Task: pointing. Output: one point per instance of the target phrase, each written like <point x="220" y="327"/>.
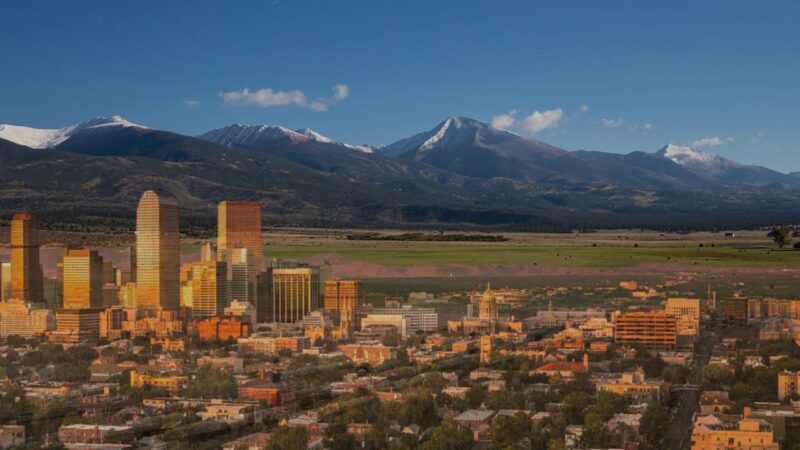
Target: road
<point x="680" y="427"/>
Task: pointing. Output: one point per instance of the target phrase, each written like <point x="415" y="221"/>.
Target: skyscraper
<point x="157" y="252"/>
<point x="239" y="226"/>
<point x="208" y="288"/>
<point x="5" y="281"/>
<point x="343" y="296"/>
<point x="26" y="272"/>
<point x="241" y="275"/>
<point x="83" y="279"/>
<point x="294" y="292"/>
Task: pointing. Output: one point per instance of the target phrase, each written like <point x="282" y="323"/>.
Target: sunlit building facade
<point x="294" y="293"/>
<point x="26" y="271"/>
<point x="157" y="252"/>
<point x="239" y="226"/>
<point x="83" y="279"/>
<point x="208" y="289"/>
<point x="343" y="296"/>
<point x="24" y="319"/>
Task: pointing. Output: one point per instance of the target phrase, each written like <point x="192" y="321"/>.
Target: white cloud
<point x="611" y="123"/>
<point x="267" y="98"/>
<point x="539" y="121"/>
<point x="341" y="92"/>
<point x="264" y="98"/>
<point x="710" y="141"/>
<point x="648" y="126"/>
<point x="504" y="121"/>
<point x="191" y="103"/>
<point x="584" y="108"/>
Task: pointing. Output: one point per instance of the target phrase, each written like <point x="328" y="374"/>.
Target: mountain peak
<point x="238" y="135"/>
<point x="696" y="160"/>
<point x="50" y="137"/>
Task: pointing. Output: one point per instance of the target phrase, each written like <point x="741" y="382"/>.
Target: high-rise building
<point x="157" y="252"/>
<point x="52" y="293"/>
<point x="294" y="293"/>
<point x="343" y="296"/>
<point x="687" y="312"/>
<point x="84" y="277"/>
<point x="24" y="319"/>
<point x="239" y="226"/>
<point x="74" y="326"/>
<point x="26" y="271"/>
<point x="655" y="330"/>
<point x="132" y="263"/>
<point x="240" y="274"/>
<point x="5" y="281"/>
<point x="108" y="272"/>
<point x="208" y="280"/>
<point x="208" y="252"/>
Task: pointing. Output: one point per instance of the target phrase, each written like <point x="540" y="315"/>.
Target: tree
<point x="781" y="235"/>
<point x="288" y="438"/>
<point x="504" y="400"/>
<point x="507" y="430"/>
<point x="653" y="424"/>
<point x="447" y="436"/>
<point x="475" y="396"/>
<point x="211" y="382"/>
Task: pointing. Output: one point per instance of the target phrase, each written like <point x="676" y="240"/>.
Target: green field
<point x="545" y="256"/>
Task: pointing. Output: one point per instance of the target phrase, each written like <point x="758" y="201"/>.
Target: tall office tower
<point x="208" y="252"/>
<point x="132" y="262"/>
<point x="263" y="293"/>
<point x="5" y="281"/>
<point x="208" y="290"/>
<point x="343" y="296"/>
<point x="239" y="226"/>
<point x="157" y="253"/>
<point x="108" y="272"/>
<point x="52" y="293"/>
<point x="84" y="277"/>
<point x="26" y="272"/>
<point x="295" y="293"/>
<point x="241" y="275"/>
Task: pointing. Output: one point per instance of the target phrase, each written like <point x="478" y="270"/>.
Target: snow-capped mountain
<point x="238" y="135"/>
<point x="698" y="161"/>
<point x="50" y="138"/>
<point x="474" y="148"/>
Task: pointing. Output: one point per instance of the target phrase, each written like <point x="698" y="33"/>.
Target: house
<point x="12" y="435"/>
<point x="231" y="412"/>
<point x="255" y="441"/>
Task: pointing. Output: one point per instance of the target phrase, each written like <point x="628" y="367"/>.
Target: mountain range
<point x="462" y="173"/>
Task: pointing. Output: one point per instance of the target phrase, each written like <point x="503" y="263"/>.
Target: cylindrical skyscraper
<point x="157" y="252"/>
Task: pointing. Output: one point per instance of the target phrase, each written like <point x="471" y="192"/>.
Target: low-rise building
<point x="633" y="385"/>
<point x="711" y="433"/>
<point x="96" y="434"/>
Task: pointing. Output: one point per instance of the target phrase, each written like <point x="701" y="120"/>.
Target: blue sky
<point x="614" y="76"/>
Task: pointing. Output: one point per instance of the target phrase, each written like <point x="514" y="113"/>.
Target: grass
<point x="546" y="256"/>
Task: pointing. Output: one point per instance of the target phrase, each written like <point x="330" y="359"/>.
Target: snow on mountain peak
<point x="237" y="135"/>
<point x="695" y="159"/>
<point x="48" y="138"/>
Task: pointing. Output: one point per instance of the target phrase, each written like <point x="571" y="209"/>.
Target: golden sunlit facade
<point x="83" y="279"/>
<point x="295" y="293"/>
<point x="239" y="226"/>
<point x="26" y="272"/>
<point x="157" y="252"/>
<point x="343" y="296"/>
<point x="208" y="288"/>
